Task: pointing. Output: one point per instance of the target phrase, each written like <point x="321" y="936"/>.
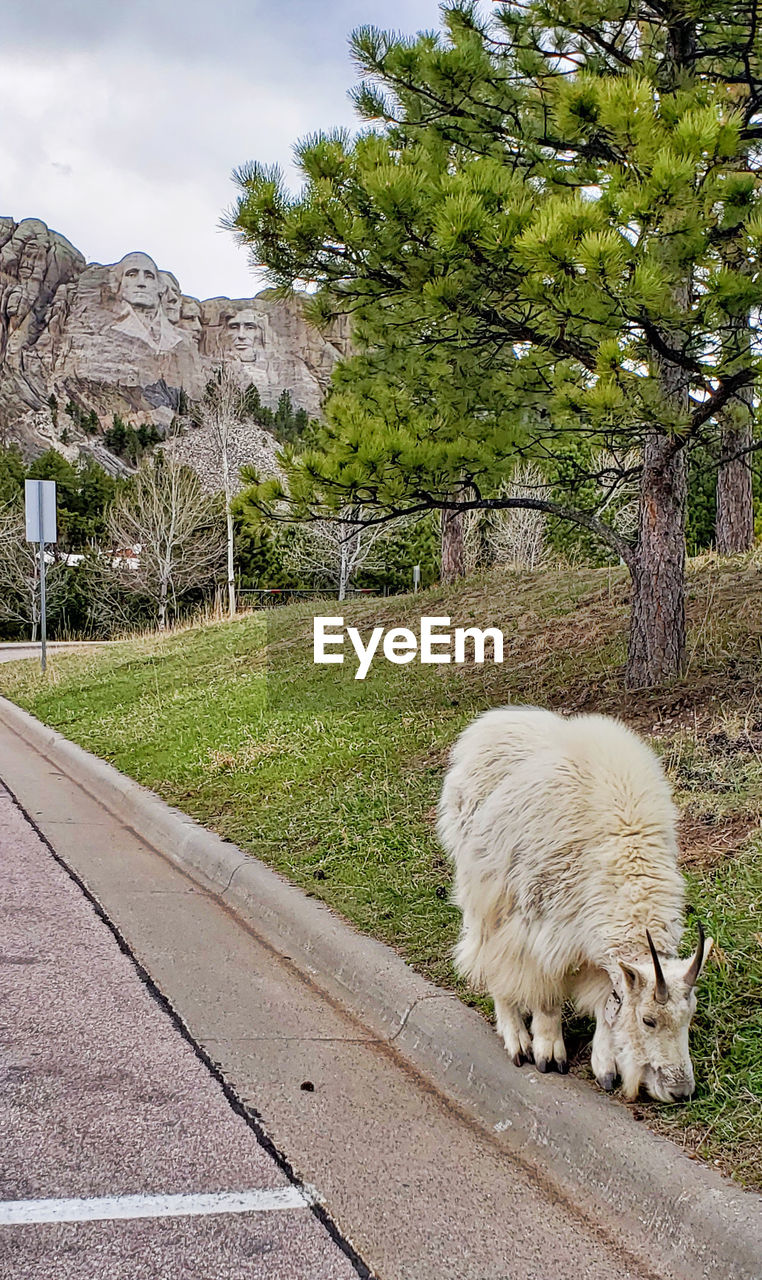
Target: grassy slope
<point x="334" y="781"/>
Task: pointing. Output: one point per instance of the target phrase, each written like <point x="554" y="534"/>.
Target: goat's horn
<point x="694" y="968"/>
<point x="661" y="994"/>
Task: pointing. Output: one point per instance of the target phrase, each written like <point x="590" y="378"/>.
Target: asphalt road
<point x="104" y="1097"/>
<point x="122" y="1156"/>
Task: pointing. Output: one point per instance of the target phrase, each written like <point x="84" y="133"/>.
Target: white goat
<point x="562" y="832"/>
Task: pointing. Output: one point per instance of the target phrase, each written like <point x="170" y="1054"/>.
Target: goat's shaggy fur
<point x="562" y="832"/>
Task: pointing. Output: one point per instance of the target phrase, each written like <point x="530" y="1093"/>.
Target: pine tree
<point x="539" y="214"/>
<point x="115" y="438"/>
<point x="717" y="43"/>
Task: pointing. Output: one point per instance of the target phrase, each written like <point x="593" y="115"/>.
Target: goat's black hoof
<point x="542" y="1065"/>
<point x="562" y="1067"/>
<point x="607" y="1082"/>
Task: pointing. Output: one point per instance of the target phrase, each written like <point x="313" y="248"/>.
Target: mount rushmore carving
<point x="124" y="339"/>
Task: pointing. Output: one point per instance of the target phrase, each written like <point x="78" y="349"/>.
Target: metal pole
<point x="43" y="637"/>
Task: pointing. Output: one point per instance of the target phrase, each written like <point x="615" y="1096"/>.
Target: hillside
<point x="81" y="343"/>
<point x="334" y="780"/>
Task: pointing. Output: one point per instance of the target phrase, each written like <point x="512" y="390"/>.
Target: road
<point x="18" y="650"/>
<point x="120" y="1144"/>
<point x="116" y="1051"/>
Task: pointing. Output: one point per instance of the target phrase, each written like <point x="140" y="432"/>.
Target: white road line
<point x="18" y="1212"/>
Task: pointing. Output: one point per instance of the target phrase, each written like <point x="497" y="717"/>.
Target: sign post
<point x="416" y="577"/>
<point x="40" y="498"/>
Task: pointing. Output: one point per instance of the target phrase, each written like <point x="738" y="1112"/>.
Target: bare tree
<point x="474" y="541"/>
<point x="734" y="530"/>
<point x="517" y="535"/>
<point x="734" y="526"/>
<point x="333" y="551"/>
<point x="165" y="533"/>
<point x="617" y="483"/>
<point x="20" y="573"/>
<point x="220" y="412"/>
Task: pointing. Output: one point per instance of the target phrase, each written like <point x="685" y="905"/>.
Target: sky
<point x="122" y="120"/>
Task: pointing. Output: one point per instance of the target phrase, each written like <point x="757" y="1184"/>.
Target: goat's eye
<point x="649" y="1022"/>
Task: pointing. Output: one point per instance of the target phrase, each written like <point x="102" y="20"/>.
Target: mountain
<point x="81" y="342"/>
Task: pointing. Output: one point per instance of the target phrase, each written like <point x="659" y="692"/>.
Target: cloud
<point x="122" y="123"/>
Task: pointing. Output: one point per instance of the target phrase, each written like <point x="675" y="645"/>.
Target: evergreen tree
<point x="97" y="490"/>
<point x="51" y="465"/>
<point x="538" y="215"/>
<point x="115" y="438"/>
<point x="12" y="475"/>
<point x="719" y="43"/>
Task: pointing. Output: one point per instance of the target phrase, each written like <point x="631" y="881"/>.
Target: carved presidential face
<point x="171" y="297"/>
<point x="190" y="318"/>
<point x="244" y="334"/>
<point x="139" y="283"/>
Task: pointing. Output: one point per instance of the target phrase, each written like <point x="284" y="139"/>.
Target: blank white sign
<point x="32" y="490"/>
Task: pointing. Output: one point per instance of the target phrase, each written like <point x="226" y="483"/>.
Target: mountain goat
<point x="562" y="832"/>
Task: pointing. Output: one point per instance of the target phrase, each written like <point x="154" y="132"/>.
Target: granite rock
<point x="124" y="339"/>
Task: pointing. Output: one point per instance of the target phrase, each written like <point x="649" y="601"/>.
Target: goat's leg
<point x="548" y="1039"/>
<point x="603" y="1057"/>
<point x="513" y="1029"/>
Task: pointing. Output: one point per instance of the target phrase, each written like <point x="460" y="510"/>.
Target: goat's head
<point x="650" y="1014"/>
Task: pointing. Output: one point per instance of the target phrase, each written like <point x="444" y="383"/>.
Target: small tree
<point x="20" y="575"/>
<point x="166" y="534"/>
<point x="333" y="552"/>
<point x="221" y="411"/>
<point x="474" y="538"/>
<point x="517" y="534"/>
<point x="12" y="474"/>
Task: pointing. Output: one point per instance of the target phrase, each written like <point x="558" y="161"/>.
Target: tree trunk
<point x="231" y="563"/>
<point x="734" y="527"/>
<point x="657" y="618"/>
<point x="163" y="605"/>
<point x="35" y="598"/>
<point x="453" y="558"/>
<point x="349" y="547"/>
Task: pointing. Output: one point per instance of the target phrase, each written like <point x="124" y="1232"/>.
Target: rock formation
<point x="123" y="339"/>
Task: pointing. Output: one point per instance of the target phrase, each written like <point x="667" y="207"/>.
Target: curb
<point x="583" y="1146"/>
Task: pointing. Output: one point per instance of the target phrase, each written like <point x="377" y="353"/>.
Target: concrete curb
<point x="586" y="1147"/>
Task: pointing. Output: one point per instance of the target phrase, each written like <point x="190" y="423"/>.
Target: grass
<point x="333" y="781"/>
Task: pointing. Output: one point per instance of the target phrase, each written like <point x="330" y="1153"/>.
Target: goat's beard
<point x="636" y="1075"/>
<point x="632" y="1074"/>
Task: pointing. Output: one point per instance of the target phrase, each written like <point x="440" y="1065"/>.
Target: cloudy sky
<point x="123" y="119"/>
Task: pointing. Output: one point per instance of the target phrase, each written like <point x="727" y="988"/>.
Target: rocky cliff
<point x="124" y="339"/>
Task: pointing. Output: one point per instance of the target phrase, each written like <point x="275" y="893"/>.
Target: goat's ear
<point x="633" y="980"/>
